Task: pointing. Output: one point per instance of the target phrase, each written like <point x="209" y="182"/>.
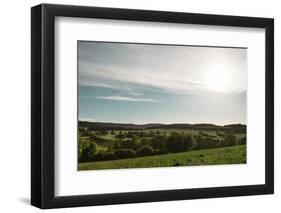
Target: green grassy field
<point x="225" y="155"/>
<point x="168" y="132"/>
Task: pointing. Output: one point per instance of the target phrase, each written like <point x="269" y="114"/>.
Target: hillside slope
<point x="226" y="155"/>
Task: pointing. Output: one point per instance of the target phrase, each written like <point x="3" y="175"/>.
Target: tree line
<point x="156" y="145"/>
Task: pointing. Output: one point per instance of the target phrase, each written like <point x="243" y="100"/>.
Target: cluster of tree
<point x="87" y="150"/>
<point x="118" y="134"/>
<point x="89" y="133"/>
<point x="232" y="129"/>
<point x="136" y="134"/>
<point x="236" y="128"/>
<point x="97" y="126"/>
<point x="159" y="144"/>
<point x="84" y="131"/>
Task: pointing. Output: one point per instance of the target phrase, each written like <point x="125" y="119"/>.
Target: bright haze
<point x="144" y="83"/>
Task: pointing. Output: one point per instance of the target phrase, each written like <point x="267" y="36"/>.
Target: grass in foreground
<point x="225" y="155"/>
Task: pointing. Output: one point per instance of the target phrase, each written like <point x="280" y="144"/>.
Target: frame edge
<point x="269" y="113"/>
<point x="36" y="85"/>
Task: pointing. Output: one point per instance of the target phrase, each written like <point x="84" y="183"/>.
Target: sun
<point x="217" y="79"/>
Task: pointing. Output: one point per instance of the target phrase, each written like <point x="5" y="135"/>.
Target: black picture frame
<point x="43" y="105"/>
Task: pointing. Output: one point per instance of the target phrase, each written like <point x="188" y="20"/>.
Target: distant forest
<point x="96" y="126"/>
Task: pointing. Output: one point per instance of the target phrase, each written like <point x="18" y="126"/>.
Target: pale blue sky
<point x="140" y="83"/>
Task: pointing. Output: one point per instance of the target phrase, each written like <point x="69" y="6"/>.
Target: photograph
<point x="160" y="105"/>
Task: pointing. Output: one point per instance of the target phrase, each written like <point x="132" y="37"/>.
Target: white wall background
<point x="15" y="105"/>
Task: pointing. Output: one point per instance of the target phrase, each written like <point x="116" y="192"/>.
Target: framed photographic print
<point x="139" y="106"/>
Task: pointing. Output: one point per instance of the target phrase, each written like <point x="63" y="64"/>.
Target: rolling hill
<point x="128" y="126"/>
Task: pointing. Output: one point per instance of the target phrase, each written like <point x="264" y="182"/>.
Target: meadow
<point x="104" y="146"/>
<point x="215" y="156"/>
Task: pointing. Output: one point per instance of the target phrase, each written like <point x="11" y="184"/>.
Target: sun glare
<point x="218" y="79"/>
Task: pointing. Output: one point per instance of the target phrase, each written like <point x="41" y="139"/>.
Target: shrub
<point x="159" y="151"/>
<point x="145" y="141"/>
<point x="158" y="142"/>
<point x="241" y="141"/>
<point x="127" y="144"/>
<point x="150" y="133"/>
<point x="98" y="157"/>
<point x="174" y="143"/>
<point x="104" y="132"/>
<point x="141" y="134"/>
<point x="220" y="134"/>
<point x="104" y="156"/>
<point x="207" y="142"/>
<point x="108" y="156"/>
<point x="120" y="136"/>
<point x="180" y="143"/>
<point x="189" y="143"/>
<point x="203" y="133"/>
<point x="199" y="142"/>
<point x="130" y="134"/>
<point x="84" y="131"/>
<point x="87" y="152"/>
<point x="230" y="140"/>
<point x="124" y="153"/>
<point x="211" y="142"/>
<point x="145" y="151"/>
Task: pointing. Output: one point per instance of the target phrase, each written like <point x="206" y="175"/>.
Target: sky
<point x="148" y="83"/>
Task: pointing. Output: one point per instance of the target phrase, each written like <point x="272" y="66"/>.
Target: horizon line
<point x="159" y="123"/>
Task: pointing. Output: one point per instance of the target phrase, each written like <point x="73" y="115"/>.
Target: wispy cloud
<point x="173" y="69"/>
<point x="112" y="85"/>
<point x="87" y="119"/>
<point x="124" y="98"/>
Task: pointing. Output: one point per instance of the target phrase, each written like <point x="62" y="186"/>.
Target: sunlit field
<point x="226" y="155"/>
<point x="144" y="148"/>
